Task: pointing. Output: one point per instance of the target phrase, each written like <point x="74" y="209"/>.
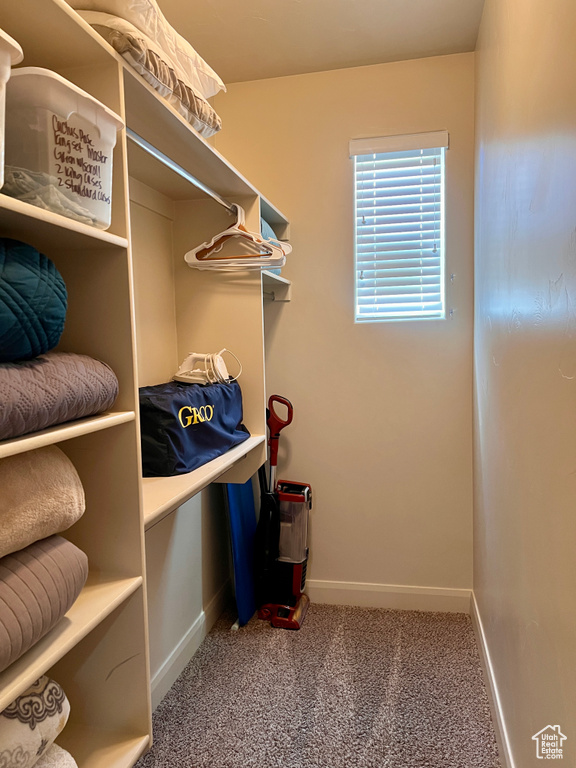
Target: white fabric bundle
<point x="151" y="63"/>
<point x="41" y="495"/>
<point x="31" y="723"/>
<point x="42" y="190"/>
<point x="56" y="757"/>
<point x="146" y="16"/>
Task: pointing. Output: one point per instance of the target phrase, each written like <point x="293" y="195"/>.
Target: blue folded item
<point x="268" y="234"/>
<point x="33" y="302"/>
<point x="186" y="425"/>
<point x="242" y="519"/>
<point x="267" y="231"/>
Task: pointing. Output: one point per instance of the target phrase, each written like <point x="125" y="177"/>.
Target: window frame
<point x="391" y="144"/>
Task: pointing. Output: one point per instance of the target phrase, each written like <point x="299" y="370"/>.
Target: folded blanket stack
<point x="141" y="34"/>
<point x="41" y="574"/>
<point x="29" y="726"/>
<point x="40" y="388"/>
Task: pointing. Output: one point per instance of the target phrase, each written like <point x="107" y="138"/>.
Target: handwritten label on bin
<point x="79" y="165"/>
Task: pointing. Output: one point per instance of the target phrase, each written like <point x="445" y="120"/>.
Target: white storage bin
<point x="10" y="54"/>
<point x="59" y="143"/>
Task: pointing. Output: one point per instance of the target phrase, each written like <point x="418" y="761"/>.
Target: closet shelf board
<point x="164" y="494"/>
<point x="96" y="601"/>
<point x="94" y="749"/>
<point x="152" y="118"/>
<point x="276" y="287"/>
<point x="64" y="432"/>
<point x="273" y="216"/>
<point x="26" y="222"/>
<point x="52" y="35"/>
<point x="272" y="279"/>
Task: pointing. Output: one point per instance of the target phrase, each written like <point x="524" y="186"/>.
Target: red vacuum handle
<point x="277" y="424"/>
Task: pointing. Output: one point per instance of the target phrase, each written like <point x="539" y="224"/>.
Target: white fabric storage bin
<point x="10" y="54"/>
<point x="59" y="143"/>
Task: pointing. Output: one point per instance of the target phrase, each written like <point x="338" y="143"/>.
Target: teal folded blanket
<point x="33" y="302"/>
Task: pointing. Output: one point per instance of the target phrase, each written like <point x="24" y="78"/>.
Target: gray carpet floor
<point x="354" y="688"/>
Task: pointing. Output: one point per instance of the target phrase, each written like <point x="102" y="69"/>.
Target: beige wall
<point x="383" y="425"/>
<point x="187" y="582"/>
<point x="525" y="522"/>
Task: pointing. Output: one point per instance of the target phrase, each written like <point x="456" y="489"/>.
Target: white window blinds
<point x="399" y="232"/>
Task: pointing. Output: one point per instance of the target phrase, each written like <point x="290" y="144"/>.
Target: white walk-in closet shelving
<point x="136" y="305"/>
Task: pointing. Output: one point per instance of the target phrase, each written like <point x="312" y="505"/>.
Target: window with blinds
<point x="399" y="227"/>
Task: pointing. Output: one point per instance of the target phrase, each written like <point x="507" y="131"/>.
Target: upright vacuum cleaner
<point x="281" y="544"/>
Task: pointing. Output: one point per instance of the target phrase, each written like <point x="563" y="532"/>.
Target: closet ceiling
<point x="256" y="39"/>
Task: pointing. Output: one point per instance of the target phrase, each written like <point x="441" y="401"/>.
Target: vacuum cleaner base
<point x="285" y="616"/>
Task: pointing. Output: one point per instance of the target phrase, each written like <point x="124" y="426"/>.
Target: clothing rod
<point x="165" y="160"/>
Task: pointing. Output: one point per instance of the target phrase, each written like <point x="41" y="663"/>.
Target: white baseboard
<point x="493" y="695"/>
<point x="173" y="666"/>
<point x="391" y="596"/>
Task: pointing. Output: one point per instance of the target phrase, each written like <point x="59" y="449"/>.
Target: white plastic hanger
<point x="236" y="248"/>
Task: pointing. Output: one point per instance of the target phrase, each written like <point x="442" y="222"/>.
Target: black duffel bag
<point x="185" y="425"/>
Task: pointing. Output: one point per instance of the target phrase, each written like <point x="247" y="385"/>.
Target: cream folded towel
<point x="41" y="495"/>
<point x="30" y="724"/>
<point x="56" y="757"/>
